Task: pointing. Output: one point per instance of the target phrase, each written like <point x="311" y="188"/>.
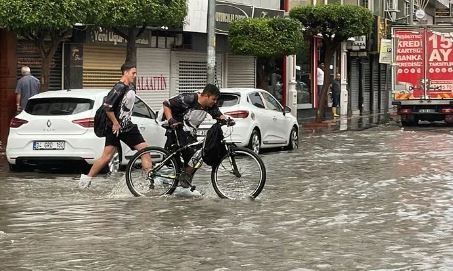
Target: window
<point x="255" y="99"/>
<point x="141" y="110"/>
<point x="58" y="106"/>
<point x="271" y="102"/>
<point x="228" y="100"/>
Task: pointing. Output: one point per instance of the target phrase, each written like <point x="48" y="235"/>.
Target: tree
<point x="266" y="38"/>
<point x="336" y="23"/>
<point x="45" y="22"/>
<point x="130" y="18"/>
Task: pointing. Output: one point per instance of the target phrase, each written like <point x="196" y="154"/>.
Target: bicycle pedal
<point x="192" y="188"/>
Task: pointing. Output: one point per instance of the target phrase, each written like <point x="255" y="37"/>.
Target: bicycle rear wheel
<point x="159" y="181"/>
<point x="239" y="175"/>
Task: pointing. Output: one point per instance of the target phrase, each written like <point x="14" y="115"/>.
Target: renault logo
<point x="49" y="123"/>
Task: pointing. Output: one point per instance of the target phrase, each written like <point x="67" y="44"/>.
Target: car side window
<point x="271" y="102"/>
<point x="141" y="110"/>
<point x="256" y="100"/>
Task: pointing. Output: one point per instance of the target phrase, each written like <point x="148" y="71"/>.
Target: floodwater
<point x="377" y="199"/>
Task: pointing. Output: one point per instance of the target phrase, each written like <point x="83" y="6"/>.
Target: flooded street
<point x="377" y="199"/>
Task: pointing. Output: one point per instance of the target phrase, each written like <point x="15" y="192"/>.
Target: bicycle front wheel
<point x="240" y="174"/>
<point x="159" y="181"/>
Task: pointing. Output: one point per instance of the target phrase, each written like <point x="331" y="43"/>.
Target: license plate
<point x="48" y="145"/>
<point x="426" y="110"/>
<point x="202" y="132"/>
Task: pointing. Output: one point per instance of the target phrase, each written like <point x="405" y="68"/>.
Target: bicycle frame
<point x="228" y="146"/>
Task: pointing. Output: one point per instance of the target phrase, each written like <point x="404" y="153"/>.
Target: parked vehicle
<point x="57" y="127"/>
<point x="423" y="81"/>
<point x="261" y="121"/>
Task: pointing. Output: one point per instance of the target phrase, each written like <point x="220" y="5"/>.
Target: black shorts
<point x="131" y="138"/>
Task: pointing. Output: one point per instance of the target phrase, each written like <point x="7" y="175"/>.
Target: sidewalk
<point x="346" y="123"/>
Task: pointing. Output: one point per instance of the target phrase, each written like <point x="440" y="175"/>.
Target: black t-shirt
<point x="120" y="100"/>
<point x="185" y="108"/>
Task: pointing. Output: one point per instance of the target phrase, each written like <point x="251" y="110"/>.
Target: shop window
<point x="303" y="78"/>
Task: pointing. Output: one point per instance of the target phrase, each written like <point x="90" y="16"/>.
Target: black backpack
<point x="213" y="149"/>
<point x="101" y="122"/>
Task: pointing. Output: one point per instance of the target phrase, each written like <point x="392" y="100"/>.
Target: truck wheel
<point x="409" y="122"/>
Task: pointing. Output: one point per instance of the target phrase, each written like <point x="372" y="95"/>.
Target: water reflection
<point x="378" y="199"/>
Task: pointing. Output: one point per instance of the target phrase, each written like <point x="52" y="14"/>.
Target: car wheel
<point x="293" y="139"/>
<point x="255" y="140"/>
<point x="18" y="168"/>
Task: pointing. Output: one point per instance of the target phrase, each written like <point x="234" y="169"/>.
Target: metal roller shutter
<point x="354" y="91"/>
<point x="375" y="86"/>
<point x="241" y="71"/>
<point x="189" y="72"/>
<point x="153" y="75"/>
<point x="384" y="87"/>
<point x="29" y="55"/>
<point x="101" y="65"/>
<point x="365" y="85"/>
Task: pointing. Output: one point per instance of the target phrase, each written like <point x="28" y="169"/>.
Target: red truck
<point x="423" y="73"/>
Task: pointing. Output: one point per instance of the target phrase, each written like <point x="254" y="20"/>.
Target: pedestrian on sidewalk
<point x="336" y="90"/>
<point x="320" y="80"/>
<point x="27" y="86"/>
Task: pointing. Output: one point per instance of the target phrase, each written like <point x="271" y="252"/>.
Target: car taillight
<point x="16" y="122"/>
<point x="446" y="110"/>
<point x="86" y="122"/>
<point x="405" y="111"/>
<point x="240" y="114"/>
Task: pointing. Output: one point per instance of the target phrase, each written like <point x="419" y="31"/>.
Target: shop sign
<point x="226" y="12"/>
<point x="267" y="13"/>
<point x="385" y="51"/>
<point x="359" y="43"/>
<point x="152" y="83"/>
<point x="107" y="36"/>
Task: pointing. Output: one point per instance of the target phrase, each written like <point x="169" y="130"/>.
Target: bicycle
<point x="241" y="172"/>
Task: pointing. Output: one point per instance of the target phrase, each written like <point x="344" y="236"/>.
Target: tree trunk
<point x="45" y="74"/>
<point x="330" y="49"/>
<point x="131" y="54"/>
<point x="47" y="53"/>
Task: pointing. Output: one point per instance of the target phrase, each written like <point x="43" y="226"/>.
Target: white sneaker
<point x="84" y="181"/>
<point x="185" y="192"/>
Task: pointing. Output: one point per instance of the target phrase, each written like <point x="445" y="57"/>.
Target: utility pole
<point x="411" y="12"/>
<point x="211" y="42"/>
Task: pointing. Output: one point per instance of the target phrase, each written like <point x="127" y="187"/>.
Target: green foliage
<point x="24" y="17"/>
<point x="117" y="13"/>
<point x="335" y="22"/>
<point x="264" y="37"/>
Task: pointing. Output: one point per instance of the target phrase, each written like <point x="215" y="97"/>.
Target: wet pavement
<point x="357" y="199"/>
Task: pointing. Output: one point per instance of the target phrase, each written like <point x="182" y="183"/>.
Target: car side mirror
<point x="286" y="110"/>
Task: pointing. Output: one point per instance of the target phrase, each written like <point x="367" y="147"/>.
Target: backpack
<point x="101" y="122"/>
<point x="213" y="148"/>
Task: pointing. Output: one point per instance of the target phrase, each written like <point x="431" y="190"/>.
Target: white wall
<point x="271" y="4"/>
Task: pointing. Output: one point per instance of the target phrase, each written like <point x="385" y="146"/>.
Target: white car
<point x="57" y="127"/>
<point x="261" y="121"/>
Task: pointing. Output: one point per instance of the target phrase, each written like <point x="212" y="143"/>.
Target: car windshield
<point x="58" y="106"/>
<point x="228" y="100"/>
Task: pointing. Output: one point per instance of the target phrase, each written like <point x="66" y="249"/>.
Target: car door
<point x="145" y="119"/>
<point x="263" y="117"/>
<point x="278" y="130"/>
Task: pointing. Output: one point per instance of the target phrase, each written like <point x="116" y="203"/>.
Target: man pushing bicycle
<point x="184" y="113"/>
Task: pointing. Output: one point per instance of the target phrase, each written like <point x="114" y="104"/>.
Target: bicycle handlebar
<point x="228" y="122"/>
